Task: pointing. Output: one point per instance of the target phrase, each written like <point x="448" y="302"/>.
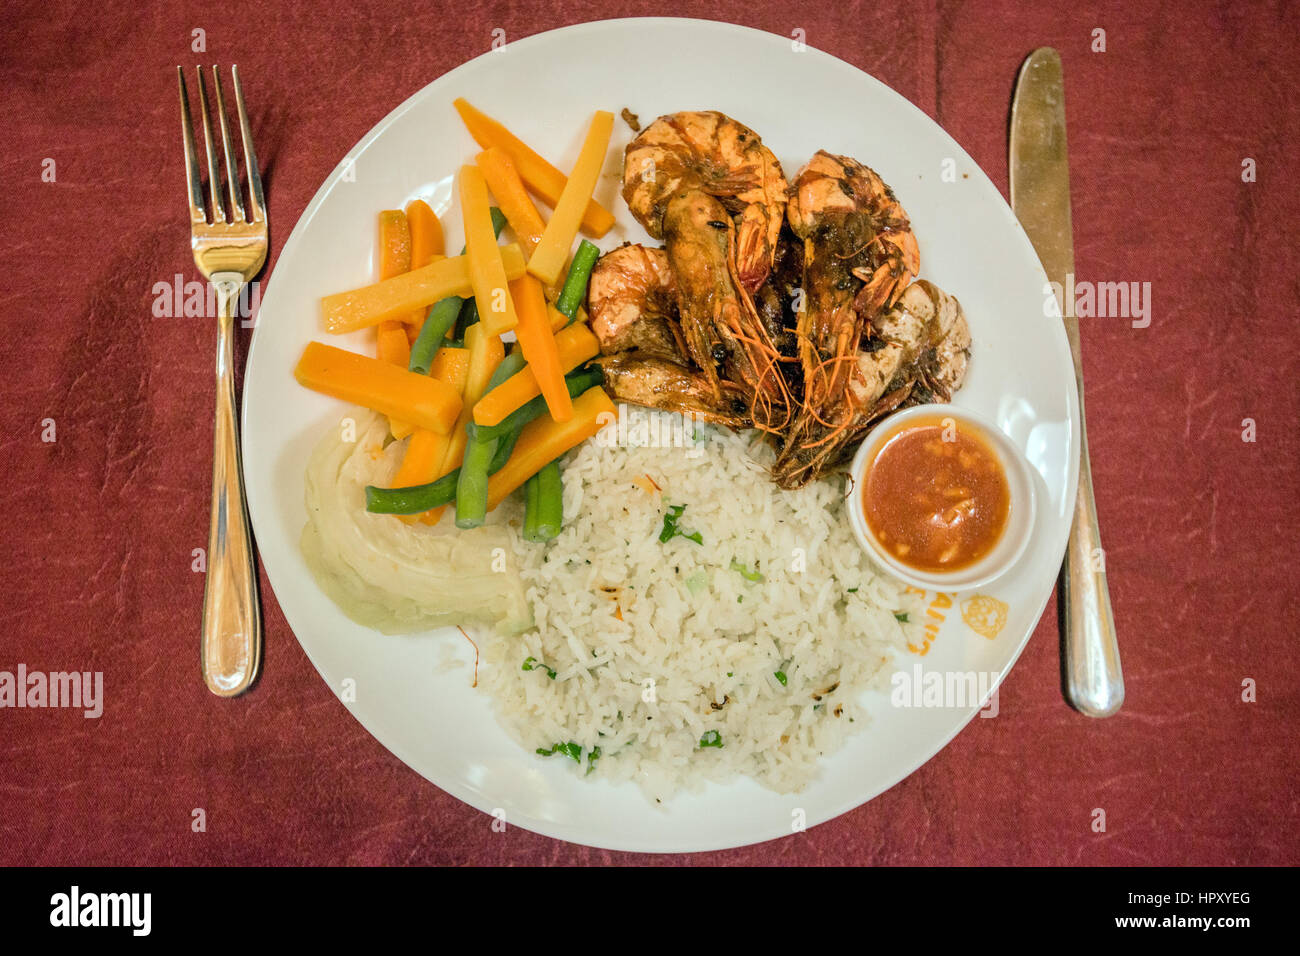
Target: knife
<point x="1040" y="198"/>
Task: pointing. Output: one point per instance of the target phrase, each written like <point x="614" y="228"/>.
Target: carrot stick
<point x="449" y="365"/>
<point x="544" y="440"/>
<point x="426" y="246"/>
<point x="539" y="175"/>
<point x="394" y="259"/>
<point x="426" y="233"/>
<point x="419" y="399"/>
<point x="392" y="345"/>
<point x="557" y="318"/>
<point x="547" y="260"/>
<point x="393" y="298"/>
<point x="539" y="347"/>
<point x="423" y="455"/>
<point x="485" y="354"/>
<point x="394" y="243"/>
<point x="420" y="463"/>
<point x="574" y="346"/>
<point x="511" y="196"/>
<point x="486" y="270"/>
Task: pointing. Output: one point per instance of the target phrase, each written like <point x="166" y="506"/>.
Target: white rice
<point x="696" y="652"/>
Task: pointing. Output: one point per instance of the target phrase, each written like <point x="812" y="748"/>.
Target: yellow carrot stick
<point x="557" y="318"/>
<point x="395" y="297"/>
<point x="511" y="196"/>
<point x="487" y="272"/>
<point x="394" y="243"/>
<point x="419" y="399"/>
<point x="547" y="260"/>
<point x="485" y="354"/>
<point x="573" y="345"/>
<point x="543" y="440"/>
<point x="539" y="175"/>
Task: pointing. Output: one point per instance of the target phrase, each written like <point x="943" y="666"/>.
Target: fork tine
<point x="193" y="175"/>
<point x="214" y="181"/>
<point x="256" y="203"/>
<point x="232" y="171"/>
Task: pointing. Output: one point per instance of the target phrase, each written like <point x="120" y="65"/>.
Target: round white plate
<point x="545" y="89"/>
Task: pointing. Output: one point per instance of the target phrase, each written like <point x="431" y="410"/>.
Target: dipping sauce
<point x="935" y="495"/>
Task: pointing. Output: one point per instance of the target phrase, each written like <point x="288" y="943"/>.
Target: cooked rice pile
<point x="665" y="654"/>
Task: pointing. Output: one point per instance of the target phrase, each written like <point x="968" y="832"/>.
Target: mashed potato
<point x="395" y="576"/>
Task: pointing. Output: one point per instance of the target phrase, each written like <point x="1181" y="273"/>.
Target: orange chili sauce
<point x="935" y="495"/>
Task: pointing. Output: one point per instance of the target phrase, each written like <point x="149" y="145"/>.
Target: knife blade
<point x="1040" y="198"/>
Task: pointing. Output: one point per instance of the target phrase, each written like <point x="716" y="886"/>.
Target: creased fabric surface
<point x="99" y="525"/>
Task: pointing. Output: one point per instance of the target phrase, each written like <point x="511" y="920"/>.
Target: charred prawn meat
<point x="784" y="306"/>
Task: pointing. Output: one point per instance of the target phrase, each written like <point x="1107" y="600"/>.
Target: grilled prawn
<point x="917" y="353"/>
<point x="709" y="188"/>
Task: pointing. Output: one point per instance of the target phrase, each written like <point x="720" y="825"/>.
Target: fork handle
<point x="231" y="647"/>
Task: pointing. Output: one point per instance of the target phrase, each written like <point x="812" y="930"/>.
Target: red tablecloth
<point x="99" y="525"/>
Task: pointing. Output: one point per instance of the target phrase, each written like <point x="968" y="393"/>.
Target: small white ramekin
<point x="1020" y="521"/>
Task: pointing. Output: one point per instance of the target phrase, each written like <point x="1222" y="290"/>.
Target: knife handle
<point x="1094" y="682"/>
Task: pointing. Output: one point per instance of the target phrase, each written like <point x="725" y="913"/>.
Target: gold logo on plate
<point x="985" y="615"/>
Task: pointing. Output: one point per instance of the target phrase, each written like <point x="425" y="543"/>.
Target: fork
<point x="228" y="253"/>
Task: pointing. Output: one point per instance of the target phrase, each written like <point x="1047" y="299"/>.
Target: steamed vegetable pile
<point x="481" y="419"/>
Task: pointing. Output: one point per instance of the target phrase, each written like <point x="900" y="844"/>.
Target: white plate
<point x="545" y="89"/>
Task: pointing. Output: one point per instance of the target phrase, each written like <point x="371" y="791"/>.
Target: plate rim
<point x="1057" y="333"/>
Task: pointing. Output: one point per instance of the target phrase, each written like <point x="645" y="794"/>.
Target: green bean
<point x="467" y="316"/>
<point x="512" y="364"/>
<point x="433" y="333"/>
<point x="414" y="500"/>
<point x="443" y="315"/>
<point x="531" y="511"/>
<point x="544" y="504"/>
<point x="472" y="487"/>
<point x="578" y="381"/>
<point x="420" y="498"/>
<point x="505" y="446"/>
<point x="575" y="284"/>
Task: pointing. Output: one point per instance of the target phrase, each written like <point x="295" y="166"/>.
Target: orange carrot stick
<point x="574" y="344"/>
<point x="450" y="366"/>
<point x="537" y="341"/>
<point x="394" y="259"/>
<point x="423" y="401"/>
<point x="426" y="450"/>
<point x="540" y="176"/>
<point x="426" y="233"/>
<point x="512" y="198"/>
<point x="426" y="246"/>
<point x="544" y="440"/>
